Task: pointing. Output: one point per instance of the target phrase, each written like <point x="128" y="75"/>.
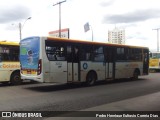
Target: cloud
<point x="131" y="17"/>
<point x="11" y="14"/>
<point x="137" y="35"/>
<point x="107" y="3"/>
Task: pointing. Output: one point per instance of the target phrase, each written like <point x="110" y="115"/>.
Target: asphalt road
<point x="61" y="97"/>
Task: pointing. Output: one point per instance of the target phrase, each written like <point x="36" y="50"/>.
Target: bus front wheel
<point x="15" y="78"/>
<point x="91" y="78"/>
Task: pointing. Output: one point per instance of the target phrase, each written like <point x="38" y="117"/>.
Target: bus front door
<point x="73" y="63"/>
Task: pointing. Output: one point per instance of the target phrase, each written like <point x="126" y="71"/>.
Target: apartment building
<point x="116" y="36"/>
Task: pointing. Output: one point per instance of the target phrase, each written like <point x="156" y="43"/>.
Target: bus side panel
<point x="126" y="69"/>
<point x="99" y="68"/>
<point x="122" y="70"/>
<point x="6" y="69"/>
<point x="46" y="72"/>
<point x="4" y="75"/>
<point x="58" y="71"/>
<point x="86" y="66"/>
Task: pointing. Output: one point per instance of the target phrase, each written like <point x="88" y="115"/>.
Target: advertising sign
<point x="86" y="27"/>
<point x="64" y="33"/>
<point x="29" y="55"/>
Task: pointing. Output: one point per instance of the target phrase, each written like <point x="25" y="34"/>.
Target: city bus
<point x="9" y="63"/>
<point x="154" y="61"/>
<point x="49" y="60"/>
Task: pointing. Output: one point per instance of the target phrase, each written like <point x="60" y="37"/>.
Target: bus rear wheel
<point x="15" y="78"/>
<point x="91" y="78"/>
<point x="135" y="75"/>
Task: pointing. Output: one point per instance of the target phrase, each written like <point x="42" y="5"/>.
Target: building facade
<point x="116" y="36"/>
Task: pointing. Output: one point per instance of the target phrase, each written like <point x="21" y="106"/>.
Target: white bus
<point x="9" y="63"/>
<point x="48" y="59"/>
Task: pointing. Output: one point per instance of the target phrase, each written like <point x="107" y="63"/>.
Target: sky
<point x="137" y="17"/>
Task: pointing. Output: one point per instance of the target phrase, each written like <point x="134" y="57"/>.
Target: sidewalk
<point x="149" y="102"/>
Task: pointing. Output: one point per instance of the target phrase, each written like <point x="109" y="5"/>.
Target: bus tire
<point x="15" y="78"/>
<point x="135" y="75"/>
<point x="91" y="78"/>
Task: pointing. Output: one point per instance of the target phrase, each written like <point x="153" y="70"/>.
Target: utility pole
<point x="20" y="31"/>
<point x="157" y="38"/>
<point x="21" y="27"/>
<point x="59" y="3"/>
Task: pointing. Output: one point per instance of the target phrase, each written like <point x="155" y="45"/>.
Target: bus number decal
<point x="59" y="63"/>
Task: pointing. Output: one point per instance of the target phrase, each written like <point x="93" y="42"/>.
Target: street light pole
<point x="21" y="27"/>
<point x="20" y="31"/>
<point x="59" y="3"/>
<point x="157" y="29"/>
<point x="92" y="32"/>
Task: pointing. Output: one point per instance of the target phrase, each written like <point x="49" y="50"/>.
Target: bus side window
<point x="109" y="53"/>
<point x="120" y="54"/>
<point x="52" y="57"/>
<point x="55" y="51"/>
<point x="98" y="54"/>
<point x="76" y="54"/>
<point x="69" y="53"/>
<point x="5" y="57"/>
<point x="86" y="51"/>
<point x="60" y="53"/>
<point x="72" y="53"/>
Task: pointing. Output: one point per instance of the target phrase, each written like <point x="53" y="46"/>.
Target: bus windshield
<point x="155" y="55"/>
<point x="29" y="53"/>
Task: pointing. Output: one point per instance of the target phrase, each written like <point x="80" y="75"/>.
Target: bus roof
<point x="9" y="43"/>
<point x="155" y="52"/>
<point x="90" y="42"/>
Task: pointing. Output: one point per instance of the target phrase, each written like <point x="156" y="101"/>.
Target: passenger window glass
<point x="55" y="51"/>
<point x="86" y="53"/>
<point x="98" y="54"/>
<point x="120" y="54"/>
<point x="9" y="53"/>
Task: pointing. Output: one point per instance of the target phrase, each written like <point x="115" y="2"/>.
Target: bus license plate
<point x="29" y="72"/>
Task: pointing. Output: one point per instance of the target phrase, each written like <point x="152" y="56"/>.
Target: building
<point x="116" y="36"/>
